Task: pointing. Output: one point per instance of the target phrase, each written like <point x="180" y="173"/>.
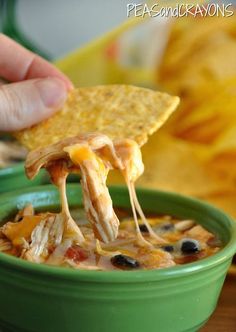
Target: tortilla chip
<point x="224" y="165"/>
<point x="207" y="112"/>
<point x="224" y="200"/>
<point x="227" y="141"/>
<point x="119" y="111"/>
<point x="197" y="34"/>
<point x="199" y="65"/>
<point x="199" y="50"/>
<point x="214" y="62"/>
<point x="222" y="155"/>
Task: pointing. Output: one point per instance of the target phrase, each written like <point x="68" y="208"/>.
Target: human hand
<point x="39" y="88"/>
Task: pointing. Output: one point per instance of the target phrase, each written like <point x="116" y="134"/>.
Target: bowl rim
<point x="22" y="266"/>
<point x="12" y="169"/>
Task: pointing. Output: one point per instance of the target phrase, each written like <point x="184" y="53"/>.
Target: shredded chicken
<point x="42" y="238"/>
<point x="45" y="237"/>
<point x="5" y="245"/>
<point x="58" y="255"/>
<point x="199" y="233"/>
<point x="93" y="156"/>
<point x="97" y="200"/>
<point x="82" y="154"/>
<point x="184" y="225"/>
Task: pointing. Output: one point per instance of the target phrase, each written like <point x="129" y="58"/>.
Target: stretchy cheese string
<point x="140" y="212"/>
<point x="139" y="234"/>
<point x="71" y="225"/>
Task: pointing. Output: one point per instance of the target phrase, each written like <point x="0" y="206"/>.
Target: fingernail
<point x="52" y="91"/>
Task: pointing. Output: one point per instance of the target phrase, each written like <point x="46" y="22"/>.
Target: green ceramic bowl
<point x="41" y="298"/>
<point x="14" y="177"/>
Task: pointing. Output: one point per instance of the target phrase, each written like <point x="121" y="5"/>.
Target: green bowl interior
<point x="47" y="198"/>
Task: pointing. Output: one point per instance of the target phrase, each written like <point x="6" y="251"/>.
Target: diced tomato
<point x="76" y="253"/>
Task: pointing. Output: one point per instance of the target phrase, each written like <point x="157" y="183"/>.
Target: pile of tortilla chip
<point x="195" y="151"/>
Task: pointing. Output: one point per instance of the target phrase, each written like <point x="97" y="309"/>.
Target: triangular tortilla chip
<point x="119" y="111"/>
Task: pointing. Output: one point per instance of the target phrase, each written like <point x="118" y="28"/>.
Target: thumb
<point x="29" y="102"/>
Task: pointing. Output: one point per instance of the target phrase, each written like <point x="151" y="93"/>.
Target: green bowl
<point x="42" y="298"/>
<point x="14" y="177"/>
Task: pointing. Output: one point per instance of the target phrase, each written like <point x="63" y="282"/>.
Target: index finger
<point x="18" y="64"/>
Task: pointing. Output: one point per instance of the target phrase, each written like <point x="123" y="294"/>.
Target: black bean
<point x="167" y="227"/>
<point x="143" y="228"/>
<point x="164" y="227"/>
<point x="124" y="262"/>
<point x="168" y="248"/>
<point x="189" y="246"/>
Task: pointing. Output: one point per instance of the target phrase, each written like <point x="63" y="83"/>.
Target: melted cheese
<point x="79" y="153"/>
<point x="22" y="229"/>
